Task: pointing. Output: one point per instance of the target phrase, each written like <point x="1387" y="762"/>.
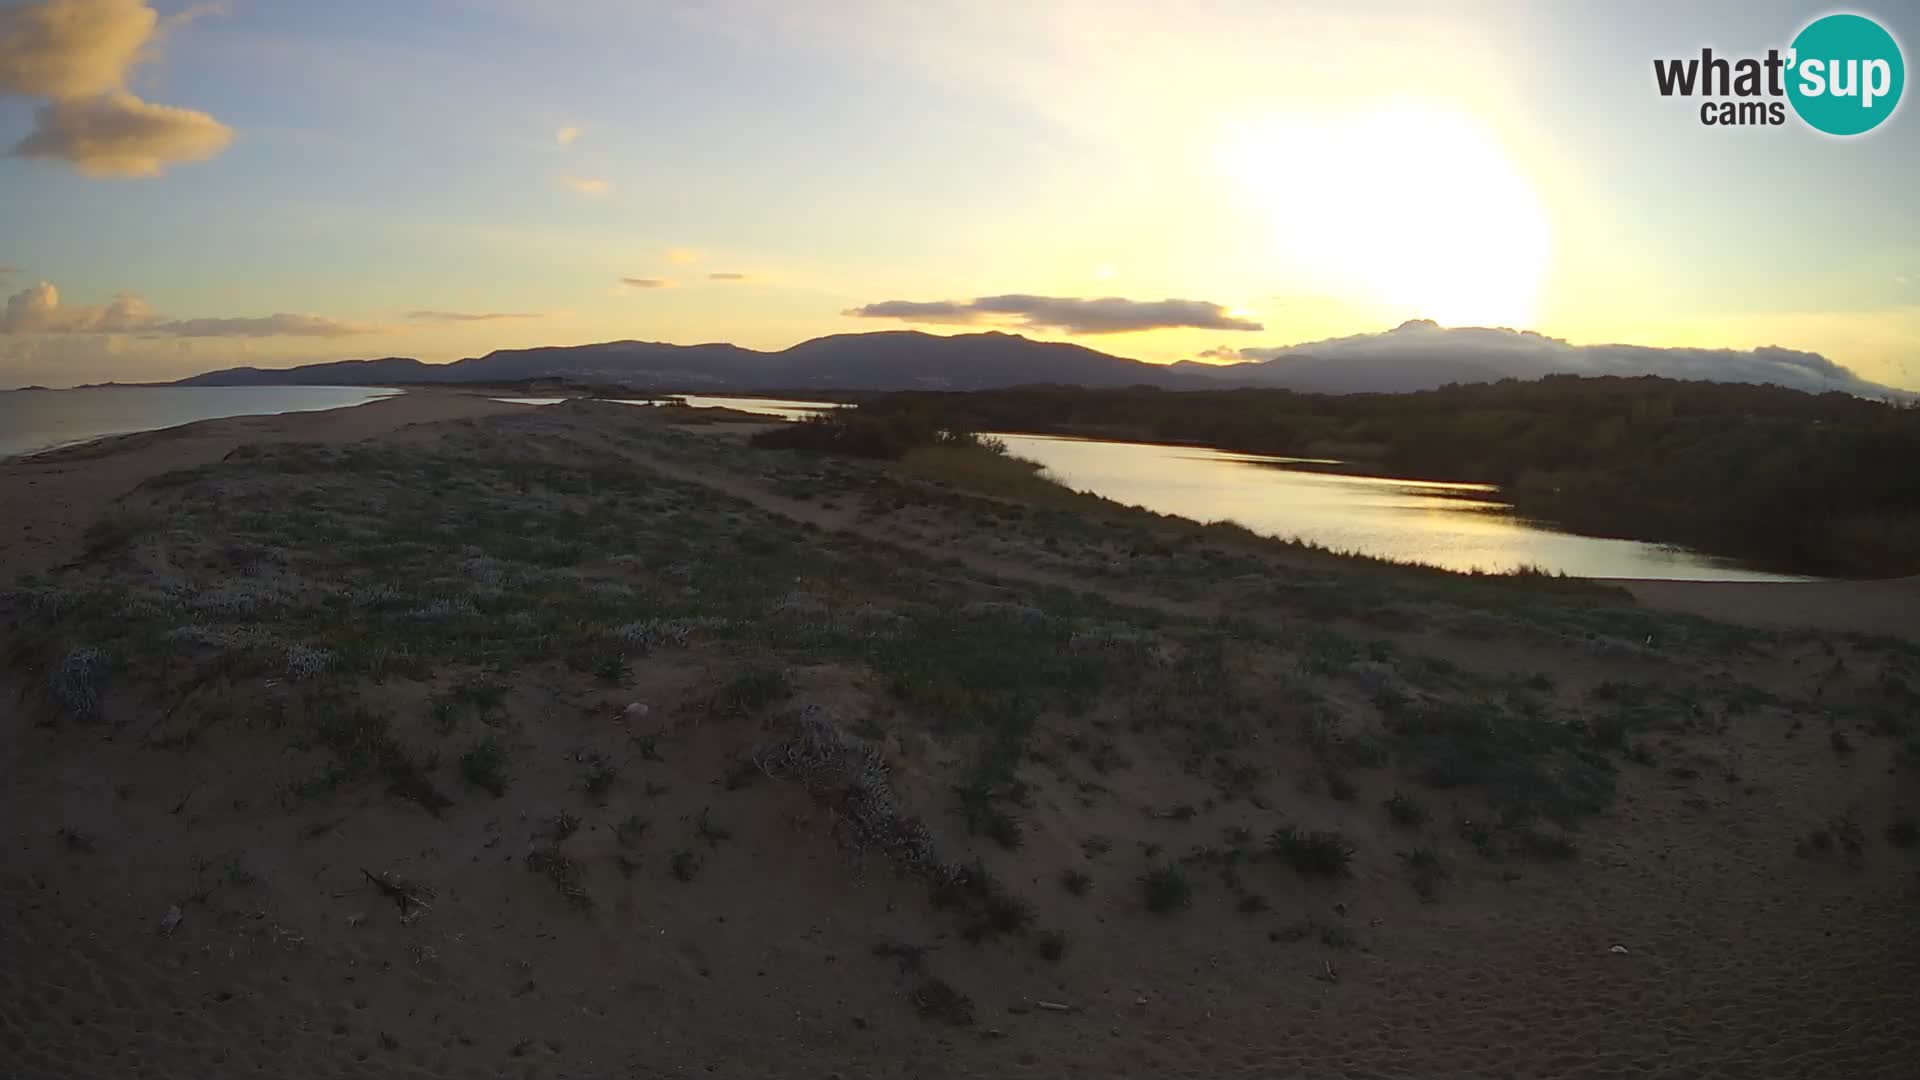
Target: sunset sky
<point x="269" y="181"/>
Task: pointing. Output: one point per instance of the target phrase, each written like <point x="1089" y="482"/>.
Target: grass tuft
<point x="1166" y="890"/>
<point x="484" y="765"/>
<point x="1313" y="853"/>
<point x="1405" y="812"/>
<point x="558" y="867"/>
<point x="936" y="999"/>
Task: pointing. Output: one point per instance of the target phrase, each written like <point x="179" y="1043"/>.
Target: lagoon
<point x="1454" y="526"/>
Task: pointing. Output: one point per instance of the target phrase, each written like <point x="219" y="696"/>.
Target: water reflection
<point x="1453" y="526"/>
<point x="780" y="407"/>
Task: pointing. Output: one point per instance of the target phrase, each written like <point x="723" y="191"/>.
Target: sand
<point x="1746" y="954"/>
<point x="1864" y="607"/>
<point x="49" y="499"/>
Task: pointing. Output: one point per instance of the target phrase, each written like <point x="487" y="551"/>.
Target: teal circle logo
<point x="1845" y="74"/>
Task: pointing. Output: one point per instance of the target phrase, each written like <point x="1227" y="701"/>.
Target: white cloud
<point x="647" y="282"/>
<point x="38" y="310"/>
<point x="77" y="55"/>
<point x="566" y="136"/>
<point x="587" y="185"/>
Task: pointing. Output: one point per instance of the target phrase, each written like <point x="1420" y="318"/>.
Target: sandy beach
<point x="441" y="737"/>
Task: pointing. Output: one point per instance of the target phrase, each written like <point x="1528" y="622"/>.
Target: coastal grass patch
<point x="1312" y="853"/>
<point x="566" y="874"/>
<point x="1165" y="890"/>
<point x="937" y="999"/>
<point x="484" y="764"/>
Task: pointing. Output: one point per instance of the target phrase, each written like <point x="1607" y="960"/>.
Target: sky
<point x="269" y="182"/>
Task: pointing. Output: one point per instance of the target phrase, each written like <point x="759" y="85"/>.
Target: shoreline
<point x="379" y="393"/>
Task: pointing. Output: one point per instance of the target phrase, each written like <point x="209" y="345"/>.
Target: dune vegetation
<point x="487" y="744"/>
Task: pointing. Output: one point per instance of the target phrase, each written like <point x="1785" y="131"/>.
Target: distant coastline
<point x="42" y="420"/>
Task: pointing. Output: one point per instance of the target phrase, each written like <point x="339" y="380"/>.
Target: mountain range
<point x="1417" y="355"/>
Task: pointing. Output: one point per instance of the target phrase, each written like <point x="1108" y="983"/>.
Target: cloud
<point x="38" y="311"/>
<point x="566" y="135"/>
<point x="277" y="325"/>
<point x="462" y="316"/>
<point x="72" y="48"/>
<point x="1073" y="315"/>
<point x="117" y="134"/>
<point x="726" y="275"/>
<point x="9" y="271"/>
<point x="929" y="311"/>
<point x="683" y="255"/>
<point x="77" y="56"/>
<point x="587" y="185"/>
<point x="647" y="282"/>
<point x="1421" y="355"/>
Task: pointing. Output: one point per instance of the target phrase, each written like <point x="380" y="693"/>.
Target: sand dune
<point x="246" y="724"/>
<point x="49" y="499"/>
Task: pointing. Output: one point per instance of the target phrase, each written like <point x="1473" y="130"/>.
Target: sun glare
<point x="1416" y="208"/>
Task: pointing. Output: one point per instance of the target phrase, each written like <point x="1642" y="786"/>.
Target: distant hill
<point x="1420" y="355"/>
<point x="891" y="360"/>
<point x="1415" y="356"/>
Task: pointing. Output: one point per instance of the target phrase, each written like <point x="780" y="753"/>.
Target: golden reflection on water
<point x="1449" y="525"/>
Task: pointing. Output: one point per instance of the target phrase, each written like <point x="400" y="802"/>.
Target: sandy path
<point x="49" y="500"/>
<point x="1871" y="607"/>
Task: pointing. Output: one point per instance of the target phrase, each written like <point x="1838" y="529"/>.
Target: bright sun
<point x="1416" y="208"/>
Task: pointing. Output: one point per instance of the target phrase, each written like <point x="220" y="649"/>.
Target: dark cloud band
<point x="1072" y="315"/>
